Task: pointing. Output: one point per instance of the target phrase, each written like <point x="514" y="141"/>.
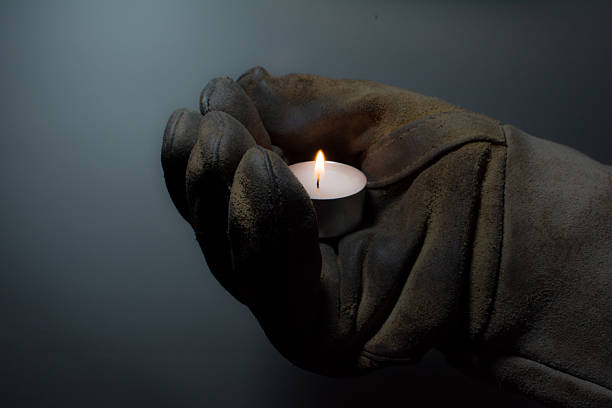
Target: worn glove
<point x="489" y="244"/>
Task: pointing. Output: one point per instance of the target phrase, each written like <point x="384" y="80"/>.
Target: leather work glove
<point x="486" y="243"/>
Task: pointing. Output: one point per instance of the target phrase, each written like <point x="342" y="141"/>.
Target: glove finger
<point x="179" y="137"/>
<point x="223" y="94"/>
<point x="275" y="248"/>
<point x="304" y="113"/>
<point x="220" y="145"/>
<point x="273" y="229"/>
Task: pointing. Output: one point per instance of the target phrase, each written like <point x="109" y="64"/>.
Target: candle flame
<point x="319" y="167"/>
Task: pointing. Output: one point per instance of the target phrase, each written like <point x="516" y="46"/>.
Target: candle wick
<point x="318" y="177"/>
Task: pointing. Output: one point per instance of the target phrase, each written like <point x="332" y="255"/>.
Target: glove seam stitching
<point x="381" y="359"/>
<point x="479" y="337"/>
<point x="402" y="174"/>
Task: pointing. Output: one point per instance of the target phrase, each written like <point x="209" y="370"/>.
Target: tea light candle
<point x="337" y="191"/>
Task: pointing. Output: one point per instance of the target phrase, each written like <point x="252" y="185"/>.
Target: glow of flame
<point x="319" y="168"/>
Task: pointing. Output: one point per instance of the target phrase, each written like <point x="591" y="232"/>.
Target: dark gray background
<point x="105" y="299"/>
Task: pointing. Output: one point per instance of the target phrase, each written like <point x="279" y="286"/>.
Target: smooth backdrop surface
<point x="105" y="298"/>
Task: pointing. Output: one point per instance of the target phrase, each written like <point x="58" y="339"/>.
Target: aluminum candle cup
<point x="339" y="197"/>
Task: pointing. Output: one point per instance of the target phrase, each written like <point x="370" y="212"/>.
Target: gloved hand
<point x="484" y="242"/>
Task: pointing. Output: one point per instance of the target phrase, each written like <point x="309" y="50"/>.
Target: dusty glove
<point x="484" y="242"/>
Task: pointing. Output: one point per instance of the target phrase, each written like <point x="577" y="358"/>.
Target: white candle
<point x="339" y="180"/>
<point x="339" y="196"/>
